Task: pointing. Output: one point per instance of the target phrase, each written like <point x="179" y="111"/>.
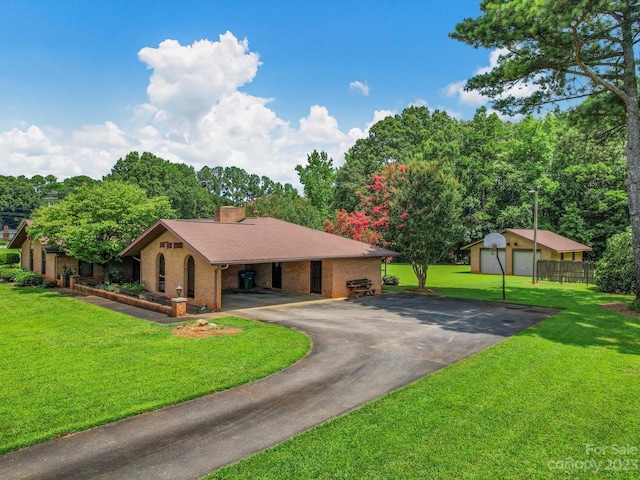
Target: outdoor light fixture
<point x="179" y="290"/>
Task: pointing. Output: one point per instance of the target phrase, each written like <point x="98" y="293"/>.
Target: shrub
<point x="390" y="280"/>
<point x="28" y="279"/>
<point x="635" y="305"/>
<point x="615" y="271"/>
<point x="9" y="258"/>
<point x="116" y="276"/>
<point x="111" y="287"/>
<point x="133" y="287"/>
<point x="8" y="272"/>
<point x="49" y="284"/>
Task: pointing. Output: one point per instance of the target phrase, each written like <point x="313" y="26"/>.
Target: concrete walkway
<point x="362" y="349"/>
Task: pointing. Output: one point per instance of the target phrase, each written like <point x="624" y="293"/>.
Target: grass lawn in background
<point x="558" y="400"/>
<point x="66" y="365"/>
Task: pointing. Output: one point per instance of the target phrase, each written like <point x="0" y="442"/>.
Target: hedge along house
<point x="209" y="256"/>
<point x="517" y="257"/>
<point x="50" y="261"/>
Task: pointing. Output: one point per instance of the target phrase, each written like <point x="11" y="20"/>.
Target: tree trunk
<point x="632" y="149"/>
<point x="420" y="270"/>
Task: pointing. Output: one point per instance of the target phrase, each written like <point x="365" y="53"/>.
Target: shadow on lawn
<point x="41" y="292"/>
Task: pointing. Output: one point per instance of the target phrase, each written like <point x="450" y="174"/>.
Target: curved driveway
<point x="362" y="350"/>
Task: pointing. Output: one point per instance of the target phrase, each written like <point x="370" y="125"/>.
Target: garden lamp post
<point x="179" y="290"/>
<point x="535" y="235"/>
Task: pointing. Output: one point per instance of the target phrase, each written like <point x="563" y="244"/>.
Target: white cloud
<point x="108" y="135"/>
<point x="195" y="114"/>
<point x="473" y="98"/>
<point x="320" y="127"/>
<point x="362" y="87"/>
<point x="187" y="80"/>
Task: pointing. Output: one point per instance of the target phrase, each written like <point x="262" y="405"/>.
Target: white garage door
<point x="489" y="260"/>
<point x="523" y="262"/>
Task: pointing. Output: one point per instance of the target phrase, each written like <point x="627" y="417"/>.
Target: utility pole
<point x="535" y="236"/>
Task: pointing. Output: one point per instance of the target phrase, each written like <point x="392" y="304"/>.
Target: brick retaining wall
<point x="136" y="302"/>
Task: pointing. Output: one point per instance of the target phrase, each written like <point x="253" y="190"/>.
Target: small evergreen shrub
<point x="635" y="305"/>
<point x="615" y="271"/>
<point x="28" y="279"/>
<point x="49" y="284"/>
<point x="8" y="272"/>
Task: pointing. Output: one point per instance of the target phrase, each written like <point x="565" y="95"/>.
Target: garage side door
<point x="489" y="260"/>
<point x="523" y="262"/>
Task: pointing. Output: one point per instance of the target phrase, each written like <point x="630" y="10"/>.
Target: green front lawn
<point x="66" y="365"/>
<point x="559" y="400"/>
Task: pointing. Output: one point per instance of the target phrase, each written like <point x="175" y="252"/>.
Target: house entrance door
<point x="191" y="278"/>
<point x="316" y="277"/>
<point x="276" y="275"/>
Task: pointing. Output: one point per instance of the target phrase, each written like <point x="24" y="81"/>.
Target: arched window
<point x="160" y="268"/>
<point x="191" y="277"/>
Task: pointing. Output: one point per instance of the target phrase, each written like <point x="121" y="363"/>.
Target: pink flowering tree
<point x="370" y="223"/>
<point x="425" y="216"/>
<point x="415" y="209"/>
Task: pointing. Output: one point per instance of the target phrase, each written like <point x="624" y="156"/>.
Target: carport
<point x="256" y="298"/>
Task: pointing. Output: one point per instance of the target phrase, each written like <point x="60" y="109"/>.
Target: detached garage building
<point x="206" y="257"/>
<point x="517" y="257"/>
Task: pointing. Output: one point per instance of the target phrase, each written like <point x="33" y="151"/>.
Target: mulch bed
<point x="202" y="329"/>
<point x="621" y="308"/>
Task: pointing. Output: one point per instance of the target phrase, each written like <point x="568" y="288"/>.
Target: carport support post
<point x="178" y="307"/>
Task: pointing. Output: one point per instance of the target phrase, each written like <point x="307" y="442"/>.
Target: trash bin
<point x="247" y="279"/>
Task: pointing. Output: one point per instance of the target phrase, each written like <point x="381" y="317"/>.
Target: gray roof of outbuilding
<point x="256" y="240"/>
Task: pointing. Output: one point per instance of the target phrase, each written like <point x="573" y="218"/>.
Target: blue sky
<point x="256" y="84"/>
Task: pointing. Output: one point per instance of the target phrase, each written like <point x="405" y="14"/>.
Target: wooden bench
<point x="360" y="286"/>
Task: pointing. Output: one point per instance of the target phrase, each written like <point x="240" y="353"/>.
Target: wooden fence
<point x="566" y="271"/>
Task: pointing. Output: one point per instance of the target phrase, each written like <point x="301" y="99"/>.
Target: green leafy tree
<point x="233" y="185"/>
<point x="159" y="177"/>
<point x="564" y="50"/>
<point x="293" y="209"/>
<point x="614" y="271"/>
<point x="318" y="177"/>
<point x="425" y="216"/>
<point x="94" y="224"/>
<point x="590" y="202"/>
<point x="18" y="198"/>
<point x="416" y="134"/>
<point x="415" y="209"/>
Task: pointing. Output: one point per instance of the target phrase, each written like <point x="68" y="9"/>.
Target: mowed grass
<point x="559" y="400"/>
<point x="66" y="365"/>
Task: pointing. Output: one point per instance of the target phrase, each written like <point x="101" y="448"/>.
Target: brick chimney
<point x="229" y="214"/>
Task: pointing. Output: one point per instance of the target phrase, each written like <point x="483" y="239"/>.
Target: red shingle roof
<point x="256" y="240"/>
<point x="551" y="240"/>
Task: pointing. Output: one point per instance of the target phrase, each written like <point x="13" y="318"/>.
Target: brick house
<point x="517" y="257"/>
<point x="208" y="256"/>
<point x="50" y="261"/>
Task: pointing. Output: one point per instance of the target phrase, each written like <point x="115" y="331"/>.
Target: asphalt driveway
<point x="362" y="349"/>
